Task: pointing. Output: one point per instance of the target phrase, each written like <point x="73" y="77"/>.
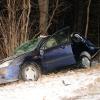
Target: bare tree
<point x="87" y="20"/>
<point x="14" y="25"/>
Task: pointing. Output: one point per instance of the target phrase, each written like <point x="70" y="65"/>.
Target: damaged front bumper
<point x="9" y="71"/>
<point x="10" y="68"/>
<point x="9" y="74"/>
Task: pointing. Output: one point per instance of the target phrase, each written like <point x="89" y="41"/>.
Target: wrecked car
<point x="48" y="53"/>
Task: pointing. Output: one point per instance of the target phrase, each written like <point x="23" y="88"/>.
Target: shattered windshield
<point x="28" y="46"/>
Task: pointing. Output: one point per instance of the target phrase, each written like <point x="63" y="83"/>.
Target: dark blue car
<point x="48" y="53"/>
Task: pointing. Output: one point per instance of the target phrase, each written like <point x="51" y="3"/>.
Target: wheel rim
<point x="30" y="73"/>
<point x="85" y="62"/>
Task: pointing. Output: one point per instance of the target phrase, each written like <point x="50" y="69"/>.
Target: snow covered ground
<point x="80" y="84"/>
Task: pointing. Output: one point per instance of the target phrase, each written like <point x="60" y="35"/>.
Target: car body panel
<point x="58" y="57"/>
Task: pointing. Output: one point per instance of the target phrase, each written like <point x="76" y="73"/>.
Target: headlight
<point x="5" y="64"/>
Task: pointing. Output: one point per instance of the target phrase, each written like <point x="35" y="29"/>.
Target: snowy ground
<point x="80" y="84"/>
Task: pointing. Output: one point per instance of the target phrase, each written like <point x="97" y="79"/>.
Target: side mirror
<point x="62" y="46"/>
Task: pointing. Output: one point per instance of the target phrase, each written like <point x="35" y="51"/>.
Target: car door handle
<point x="62" y="46"/>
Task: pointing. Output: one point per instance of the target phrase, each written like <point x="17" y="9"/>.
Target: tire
<point x="30" y="72"/>
<point x="85" y="62"/>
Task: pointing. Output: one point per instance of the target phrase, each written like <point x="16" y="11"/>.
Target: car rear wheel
<point x="85" y="62"/>
<point x="30" y="72"/>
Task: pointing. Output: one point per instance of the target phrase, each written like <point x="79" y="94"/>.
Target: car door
<point x="57" y="53"/>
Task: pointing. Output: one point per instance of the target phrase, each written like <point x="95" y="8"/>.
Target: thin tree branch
<point x="87" y="20"/>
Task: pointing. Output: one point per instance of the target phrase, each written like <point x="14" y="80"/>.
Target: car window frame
<point x="43" y="45"/>
<point x="61" y="44"/>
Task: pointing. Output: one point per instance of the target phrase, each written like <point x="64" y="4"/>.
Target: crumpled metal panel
<point x="9" y="73"/>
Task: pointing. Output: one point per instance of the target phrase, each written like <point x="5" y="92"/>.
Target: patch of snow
<point x="60" y="86"/>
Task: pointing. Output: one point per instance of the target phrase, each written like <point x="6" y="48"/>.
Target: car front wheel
<point x="30" y="72"/>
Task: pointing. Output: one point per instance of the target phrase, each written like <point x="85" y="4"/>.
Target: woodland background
<point x="20" y="20"/>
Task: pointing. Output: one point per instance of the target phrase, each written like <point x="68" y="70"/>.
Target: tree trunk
<point x="43" y="7"/>
<point x="87" y="20"/>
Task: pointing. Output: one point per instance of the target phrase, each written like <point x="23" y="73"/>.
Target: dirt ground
<point x="76" y="84"/>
